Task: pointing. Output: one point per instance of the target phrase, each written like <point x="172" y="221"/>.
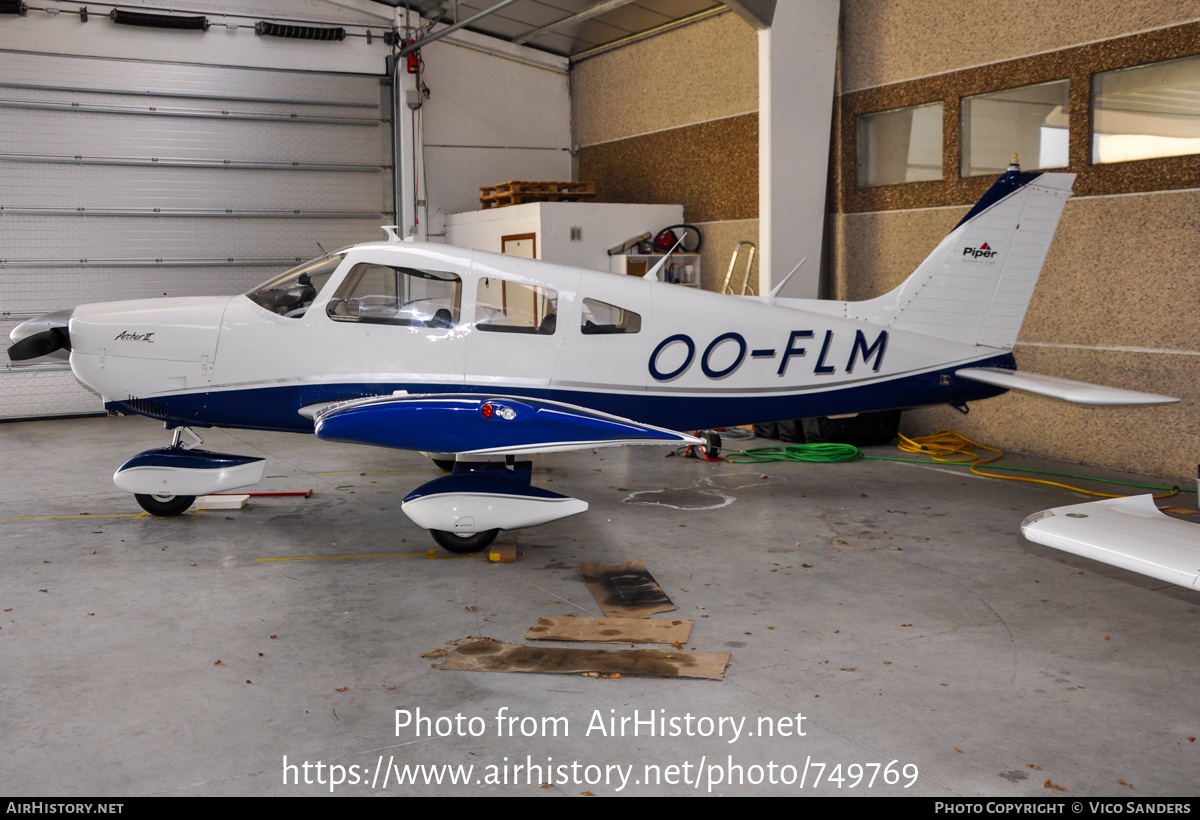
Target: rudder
<point x="977" y="284"/>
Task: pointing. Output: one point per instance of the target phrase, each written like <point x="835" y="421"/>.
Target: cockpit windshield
<point x="290" y="294"/>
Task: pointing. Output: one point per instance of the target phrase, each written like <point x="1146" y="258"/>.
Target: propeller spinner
<point x="47" y="335"/>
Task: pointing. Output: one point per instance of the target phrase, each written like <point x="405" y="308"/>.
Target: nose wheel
<point x="164" y="505"/>
<point x="466" y="542"/>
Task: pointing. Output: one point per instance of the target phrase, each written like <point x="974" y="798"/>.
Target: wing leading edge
<point x="474" y="424"/>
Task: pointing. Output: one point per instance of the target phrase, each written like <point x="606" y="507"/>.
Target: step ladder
<point x="746" y="289"/>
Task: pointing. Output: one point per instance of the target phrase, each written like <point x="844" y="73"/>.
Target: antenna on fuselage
<point x="653" y="272"/>
<point x="770" y="297"/>
<point x="390" y="230"/>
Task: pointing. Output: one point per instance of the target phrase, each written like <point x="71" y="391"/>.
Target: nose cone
<point x="146" y="347"/>
<point x="42" y="339"/>
<point x="172" y="329"/>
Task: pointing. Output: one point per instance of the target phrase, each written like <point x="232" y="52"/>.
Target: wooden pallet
<point x="518" y="193"/>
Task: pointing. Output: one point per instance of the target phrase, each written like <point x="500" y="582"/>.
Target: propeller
<point x="47" y="335"/>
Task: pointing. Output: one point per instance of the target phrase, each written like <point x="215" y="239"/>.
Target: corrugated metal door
<point x="124" y="179"/>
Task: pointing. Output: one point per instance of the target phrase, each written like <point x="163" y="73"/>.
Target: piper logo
<point x="984" y="251"/>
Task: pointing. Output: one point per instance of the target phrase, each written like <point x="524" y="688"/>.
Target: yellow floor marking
<point x="100" y="515"/>
<point x="392" y="472"/>
<point x="430" y="554"/>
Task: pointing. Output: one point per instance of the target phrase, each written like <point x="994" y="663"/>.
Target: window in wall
<point x="904" y="145"/>
<point x="1029" y="121"/>
<point x="514" y="307"/>
<point x="383" y="295"/>
<point x="1147" y="111"/>
<point x="602" y="318"/>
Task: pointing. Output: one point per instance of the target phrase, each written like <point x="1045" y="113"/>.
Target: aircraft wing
<point x="482" y="424"/>
<point x="1095" y="395"/>
<point x="1129" y="533"/>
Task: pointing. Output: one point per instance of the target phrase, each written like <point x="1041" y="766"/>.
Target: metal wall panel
<point x="70" y="186"/>
<point x="122" y="179"/>
<point x="46" y="392"/>
<point x="32" y="292"/>
<point x="69" y="133"/>
<point x="174" y="80"/>
<point x="34" y="241"/>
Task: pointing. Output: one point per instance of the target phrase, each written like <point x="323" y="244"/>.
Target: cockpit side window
<point x="386" y="295"/>
<point x="291" y="293"/>
<point x="601" y="318"/>
<point x="515" y="307"/>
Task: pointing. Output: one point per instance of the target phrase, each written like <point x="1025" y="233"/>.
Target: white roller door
<point x="124" y="179"/>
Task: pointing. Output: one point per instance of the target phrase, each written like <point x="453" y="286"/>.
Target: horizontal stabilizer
<point x="1095" y="395"/>
<point x="480" y="424"/>
<point x="1129" y="533"/>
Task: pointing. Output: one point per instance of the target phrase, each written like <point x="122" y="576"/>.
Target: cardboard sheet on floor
<point x="610" y="630"/>
<point x="625" y="590"/>
<point x="485" y="656"/>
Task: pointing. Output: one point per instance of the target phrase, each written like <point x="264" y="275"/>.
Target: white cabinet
<point x="567" y="233"/>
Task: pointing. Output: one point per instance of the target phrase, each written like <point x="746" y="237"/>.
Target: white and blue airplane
<point x="485" y="360"/>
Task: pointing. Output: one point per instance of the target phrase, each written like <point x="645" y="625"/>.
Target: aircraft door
<point x="605" y="345"/>
<point x="404" y="321"/>
<point x="375" y="326"/>
<point x="516" y="335"/>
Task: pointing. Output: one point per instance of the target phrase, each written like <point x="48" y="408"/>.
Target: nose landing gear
<point x="166" y="481"/>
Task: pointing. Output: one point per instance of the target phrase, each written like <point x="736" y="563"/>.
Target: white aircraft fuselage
<point x="698" y="359"/>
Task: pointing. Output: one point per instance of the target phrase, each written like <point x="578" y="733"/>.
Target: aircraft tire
<point x="712" y="443"/>
<point x="453" y="542"/>
<point x="165" y="505"/>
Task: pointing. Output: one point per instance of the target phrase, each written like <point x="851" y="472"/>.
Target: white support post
<point x="408" y="178"/>
<point x="796" y="64"/>
<point x="409" y="217"/>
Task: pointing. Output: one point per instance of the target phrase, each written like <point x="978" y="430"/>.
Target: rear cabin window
<point x="386" y="295"/>
<point x="290" y="294"/>
<point x="601" y="318"/>
<point x="514" y="307"/>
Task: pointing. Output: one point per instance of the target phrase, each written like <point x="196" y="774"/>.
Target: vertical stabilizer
<point x="976" y="285"/>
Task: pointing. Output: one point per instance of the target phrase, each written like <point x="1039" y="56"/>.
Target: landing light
<point x="489" y="410"/>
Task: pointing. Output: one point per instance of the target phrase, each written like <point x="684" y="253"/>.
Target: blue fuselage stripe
<point x="276" y="408"/>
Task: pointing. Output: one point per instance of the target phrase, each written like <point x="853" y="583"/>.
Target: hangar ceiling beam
<point x="586" y="14"/>
<point x="424" y="41"/>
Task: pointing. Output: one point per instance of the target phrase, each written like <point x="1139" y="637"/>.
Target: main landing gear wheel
<point x="712" y="444"/>
<point x="473" y="542"/>
<point x="166" y="505"/>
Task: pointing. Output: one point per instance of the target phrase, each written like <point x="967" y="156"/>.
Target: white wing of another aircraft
<point x="1130" y="533"/>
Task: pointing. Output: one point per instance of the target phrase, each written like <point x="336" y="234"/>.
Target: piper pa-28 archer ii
<point x="486" y="359"/>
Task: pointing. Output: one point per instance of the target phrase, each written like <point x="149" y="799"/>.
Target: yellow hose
<point x="951" y="447"/>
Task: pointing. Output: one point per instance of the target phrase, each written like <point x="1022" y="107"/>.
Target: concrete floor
<point x="894" y="606"/>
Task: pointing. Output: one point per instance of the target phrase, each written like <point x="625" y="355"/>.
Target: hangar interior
<point x="894" y="605"/>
